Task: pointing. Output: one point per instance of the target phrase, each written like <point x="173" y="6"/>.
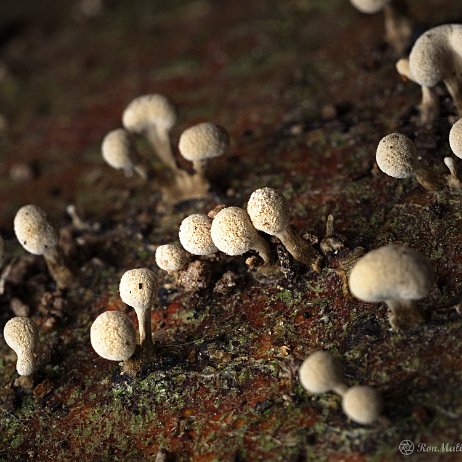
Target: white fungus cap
<point x="21" y="335"/>
<point x="148" y="110"/>
<point x="369" y="6"/>
<point x="117" y="149"/>
<point x="362" y="404"/>
<point x="195" y="234"/>
<point x="171" y="257"/>
<point x="33" y="230"/>
<point x="203" y="141"/>
<point x="232" y="231"/>
<point x="320" y="373"/>
<point x="428" y="60"/>
<point x="113" y="336"/>
<point x="396" y="155"/>
<point x="138" y="288"/>
<point x="268" y="211"/>
<point x="391" y="272"/>
<point x="455" y="138"/>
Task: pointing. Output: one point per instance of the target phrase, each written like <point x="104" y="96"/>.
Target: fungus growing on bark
<point x="436" y="57"/>
<point x="202" y="142"/>
<point x="113" y="336"/>
<point x="395" y="275"/>
<point x="138" y="289"/>
<point x="21" y="335"/>
<point x="195" y="235"/>
<point x="118" y="151"/>
<point x="233" y="233"/>
<point x="38" y="236"/>
<point x="397" y="157"/>
<point x="362" y="404"/>
<point x="269" y="213"/>
<point x="153" y="116"/>
<point x="398" y="23"/>
<point x="171" y="258"/>
<point x="321" y="372"/>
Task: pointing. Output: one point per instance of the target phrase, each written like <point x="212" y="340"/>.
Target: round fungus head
<point x="232" y="231"/>
<point x="268" y="211"/>
<point x="320" y="373"/>
<point x="430" y="56"/>
<point x="391" y="272"/>
<point x="362" y="404"/>
<point x="455" y="138"/>
<point x="369" y="6"/>
<point x="396" y="155"/>
<point x="171" y="257"/>
<point x="138" y="288"/>
<point x="33" y="230"/>
<point x="21" y="335"/>
<point x="113" y="336"/>
<point x="203" y="141"/>
<point x="117" y="150"/>
<point x="195" y="235"/>
<point x="148" y="110"/>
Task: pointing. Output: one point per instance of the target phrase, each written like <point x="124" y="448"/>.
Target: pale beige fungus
<point x="113" y="336"/>
<point x="34" y="231"/>
<point x="455" y="138"/>
<point x="117" y="150"/>
<point x="203" y="141"/>
<point x="171" y="257"/>
<point x="21" y="335"/>
<point x="195" y="234"/>
<point x="321" y="372"/>
<point x="369" y="6"/>
<point x="396" y="155"/>
<point x="268" y="211"/>
<point x="362" y="404"/>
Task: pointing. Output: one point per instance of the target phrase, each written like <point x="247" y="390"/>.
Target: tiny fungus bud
<point x="195" y="235"/>
<point x="138" y="289"/>
<point x="202" y="142"/>
<point x="153" y="116"/>
<point x="455" y="138"/>
<point x="233" y="233"/>
<point x="269" y="213"/>
<point x="38" y="236"/>
<point x="113" y="336"/>
<point x="435" y="57"/>
<point x="397" y="276"/>
<point x="321" y="372"/>
<point x="398" y="24"/>
<point x="171" y="258"/>
<point x="397" y="157"/>
<point x="362" y="404"/>
<point x="21" y="335"/>
<point x="118" y="151"/>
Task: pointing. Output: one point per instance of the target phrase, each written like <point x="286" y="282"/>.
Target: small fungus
<point x="138" y="289"/>
<point x="234" y="234"/>
<point x="21" y="335"/>
<point x="398" y="23"/>
<point x="171" y="258"/>
<point x="113" y="336"/>
<point x="38" y="236"/>
<point x="321" y="372"/>
<point x="195" y="235"/>
<point x="269" y="213"/>
<point x="362" y="404"/>
<point x="395" y="275"/>
<point x="397" y="157"/>
<point x="436" y="57"/>
<point x="153" y="116"/>
<point x="118" y="151"/>
<point x="455" y="138"/>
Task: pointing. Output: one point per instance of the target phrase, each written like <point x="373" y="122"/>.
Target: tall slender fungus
<point x="269" y="213"/>
<point x="38" y="236"/>
<point x="153" y="116"/>
<point x="138" y="289"/>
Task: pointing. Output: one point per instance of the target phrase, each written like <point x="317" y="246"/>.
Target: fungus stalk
<point x="453" y="179"/>
<point x="402" y="313"/>
<point x="398" y="25"/>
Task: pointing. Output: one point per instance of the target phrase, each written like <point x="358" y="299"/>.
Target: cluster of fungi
<point x="393" y="274"/>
